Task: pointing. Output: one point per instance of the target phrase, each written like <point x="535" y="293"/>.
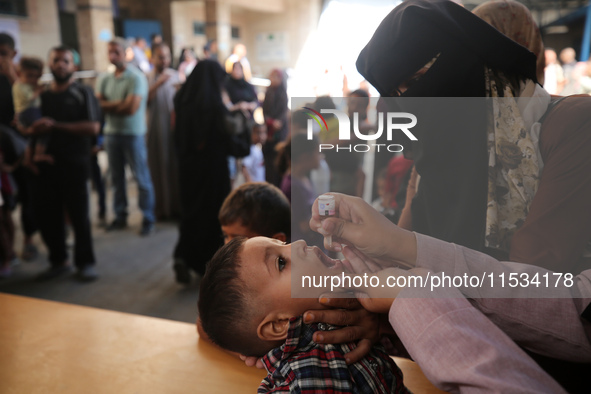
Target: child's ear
<point x="280" y="236"/>
<point x="274" y="327"/>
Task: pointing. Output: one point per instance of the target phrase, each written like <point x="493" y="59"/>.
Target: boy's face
<point x="236" y="229"/>
<point x="31" y="77"/>
<point x="259" y="135"/>
<point x="267" y="269"/>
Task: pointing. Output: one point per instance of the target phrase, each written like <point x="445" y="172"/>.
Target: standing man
<point x="123" y="95"/>
<point x="7" y="54"/>
<point x="210" y="50"/>
<point x="163" y="82"/>
<point x="71" y="114"/>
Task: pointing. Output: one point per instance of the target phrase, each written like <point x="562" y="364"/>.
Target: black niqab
<point x="418" y="30"/>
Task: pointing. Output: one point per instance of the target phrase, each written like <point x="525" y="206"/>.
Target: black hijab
<point x="203" y="87"/>
<point x="240" y="89"/>
<point x="418" y="30"/>
<point x="199" y="107"/>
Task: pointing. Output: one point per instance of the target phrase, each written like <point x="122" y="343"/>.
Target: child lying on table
<point x="245" y="306"/>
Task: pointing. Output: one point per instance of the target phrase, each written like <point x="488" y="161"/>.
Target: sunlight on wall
<point x="331" y="51"/>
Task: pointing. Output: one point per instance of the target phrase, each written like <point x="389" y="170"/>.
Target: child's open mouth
<point x="327" y="261"/>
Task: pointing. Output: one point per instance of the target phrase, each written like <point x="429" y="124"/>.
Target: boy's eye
<point x="281" y="263"/>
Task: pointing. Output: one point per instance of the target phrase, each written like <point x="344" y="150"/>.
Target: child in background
<point x="253" y="165"/>
<point x="245" y="306"/>
<point x="251" y="210"/>
<point x="256" y="209"/>
<point x="383" y="204"/>
<point x="26" y="93"/>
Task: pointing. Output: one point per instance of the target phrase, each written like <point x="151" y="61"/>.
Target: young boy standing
<point x="26" y="93"/>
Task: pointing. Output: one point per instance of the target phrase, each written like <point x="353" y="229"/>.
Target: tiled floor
<point x="135" y="273"/>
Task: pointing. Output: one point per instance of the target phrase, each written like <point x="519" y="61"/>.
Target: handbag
<point x="236" y="123"/>
<point x="236" y="128"/>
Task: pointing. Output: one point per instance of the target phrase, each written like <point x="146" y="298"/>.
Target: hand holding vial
<point x="356" y="223"/>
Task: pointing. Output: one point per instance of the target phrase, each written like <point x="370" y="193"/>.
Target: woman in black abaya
<point x="203" y="146"/>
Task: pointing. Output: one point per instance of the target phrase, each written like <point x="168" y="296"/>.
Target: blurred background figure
<point x="275" y="111"/>
<point x="253" y="165"/>
<point x="241" y="96"/>
<point x="140" y="58"/>
<point x="187" y="63"/>
<point x="123" y="96"/>
<point x="210" y="50"/>
<point x="163" y="82"/>
<point x="553" y="74"/>
<point x="239" y="55"/>
<point x="301" y="156"/>
<point x="155" y="39"/>
<point x="573" y="71"/>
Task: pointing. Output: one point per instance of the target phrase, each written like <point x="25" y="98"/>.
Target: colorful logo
<point x="317" y="117"/>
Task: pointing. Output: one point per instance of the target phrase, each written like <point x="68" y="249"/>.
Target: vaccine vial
<point x="327" y="208"/>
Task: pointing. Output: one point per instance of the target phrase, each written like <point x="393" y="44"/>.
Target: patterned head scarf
<point x="514" y="20"/>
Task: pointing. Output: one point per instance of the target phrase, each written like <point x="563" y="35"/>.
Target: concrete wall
<point x="294" y="18"/>
<point x="183" y="14"/>
<point x="297" y="21"/>
<point x="149" y="9"/>
<point x="40" y="30"/>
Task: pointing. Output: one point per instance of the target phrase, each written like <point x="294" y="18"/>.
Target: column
<point x="95" y="27"/>
<point x="218" y="26"/>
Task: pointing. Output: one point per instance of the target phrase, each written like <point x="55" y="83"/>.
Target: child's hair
<point x="259" y="206"/>
<point x="6" y="39"/>
<point x="226" y="308"/>
<point x="31" y="64"/>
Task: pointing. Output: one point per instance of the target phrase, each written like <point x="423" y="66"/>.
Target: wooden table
<point x="51" y="347"/>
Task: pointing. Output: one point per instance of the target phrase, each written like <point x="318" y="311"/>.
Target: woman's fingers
<point x="369" y="262"/>
<point x="362" y="349"/>
<point x="337" y="317"/>
<point x="342" y="335"/>
<point x="359" y="265"/>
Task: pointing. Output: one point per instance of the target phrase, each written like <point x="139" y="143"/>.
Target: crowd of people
<point x="512" y="185"/>
<point x="51" y="136"/>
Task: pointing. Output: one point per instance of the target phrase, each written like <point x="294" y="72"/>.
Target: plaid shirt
<point x="303" y="366"/>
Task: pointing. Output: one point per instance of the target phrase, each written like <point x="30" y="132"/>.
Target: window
<point x="13" y="7"/>
<point x="235" y="32"/>
<point x="199" y="28"/>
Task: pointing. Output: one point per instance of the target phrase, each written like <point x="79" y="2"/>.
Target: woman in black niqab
<point x="203" y="147"/>
<point x="479" y="176"/>
<point x="466" y="57"/>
